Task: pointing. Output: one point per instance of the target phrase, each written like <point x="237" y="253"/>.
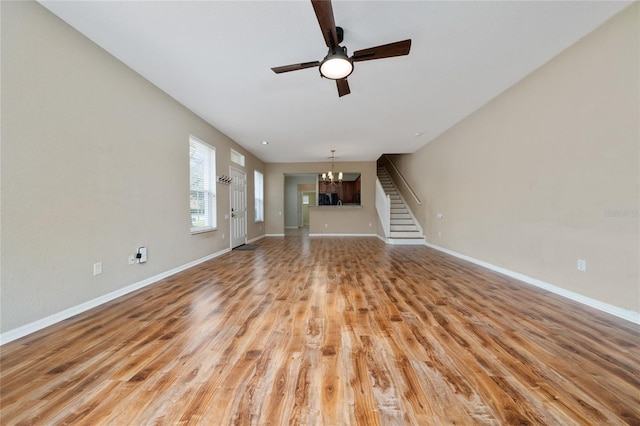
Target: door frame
<point x="240" y="171"/>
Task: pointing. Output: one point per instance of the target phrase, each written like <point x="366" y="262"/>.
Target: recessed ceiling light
<point x="265" y="143"/>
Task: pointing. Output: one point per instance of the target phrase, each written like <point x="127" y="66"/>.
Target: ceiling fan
<point x="337" y="65"/>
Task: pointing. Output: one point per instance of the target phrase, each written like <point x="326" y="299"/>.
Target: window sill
<point x="202" y="231"/>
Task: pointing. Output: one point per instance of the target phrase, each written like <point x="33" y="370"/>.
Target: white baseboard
<point x="253" y="240"/>
<point x="274" y="235"/>
<point x="626" y="314"/>
<point x="16" y="333"/>
<point x="343" y="235"/>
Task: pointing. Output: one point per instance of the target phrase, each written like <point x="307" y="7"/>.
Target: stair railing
<point x="383" y="206"/>
<point x="387" y="160"/>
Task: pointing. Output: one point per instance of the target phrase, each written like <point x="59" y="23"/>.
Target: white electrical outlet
<point x="97" y="268"/>
<point x="142" y="254"/>
<point x="132" y="259"/>
<point x="582" y="265"/>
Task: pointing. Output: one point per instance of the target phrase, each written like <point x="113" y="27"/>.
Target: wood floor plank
<point x="328" y="331"/>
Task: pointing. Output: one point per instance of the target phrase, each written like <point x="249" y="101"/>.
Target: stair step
<point x="399" y="221"/>
<point x="395" y="216"/>
<point x="406" y="241"/>
<point x="404" y="234"/>
<point x="400" y="228"/>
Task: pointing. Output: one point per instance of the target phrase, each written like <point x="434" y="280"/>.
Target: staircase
<point x="404" y="228"/>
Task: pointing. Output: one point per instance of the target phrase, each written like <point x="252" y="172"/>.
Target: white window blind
<point x="259" y="195"/>
<point x="202" y="178"/>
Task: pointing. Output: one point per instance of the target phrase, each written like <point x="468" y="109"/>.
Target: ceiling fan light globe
<point x="336" y="67"/>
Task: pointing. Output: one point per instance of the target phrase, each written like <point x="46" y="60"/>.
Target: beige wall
<point x="339" y="220"/>
<point x="94" y="164"/>
<point x="547" y="173"/>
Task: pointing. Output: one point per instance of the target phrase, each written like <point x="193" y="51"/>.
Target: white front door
<point x="238" y="194"/>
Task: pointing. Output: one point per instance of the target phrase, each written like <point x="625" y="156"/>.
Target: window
<point x="237" y="158"/>
<point x="202" y="178"/>
<point x="258" y="180"/>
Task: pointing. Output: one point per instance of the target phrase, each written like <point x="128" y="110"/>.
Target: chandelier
<point x="330" y="177"/>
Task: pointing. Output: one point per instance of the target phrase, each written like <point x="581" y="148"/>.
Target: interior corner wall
<point x="548" y="172"/>
<point x="95" y="163"/>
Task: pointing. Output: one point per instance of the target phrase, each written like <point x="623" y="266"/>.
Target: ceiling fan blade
<point x="343" y="87"/>
<point x="295" y="67"/>
<point x="324" y="13"/>
<point x="399" y="48"/>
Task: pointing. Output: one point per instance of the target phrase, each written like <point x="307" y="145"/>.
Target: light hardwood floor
<point x="328" y="331"/>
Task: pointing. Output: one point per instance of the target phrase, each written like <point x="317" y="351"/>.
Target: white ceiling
<point x="215" y="58"/>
